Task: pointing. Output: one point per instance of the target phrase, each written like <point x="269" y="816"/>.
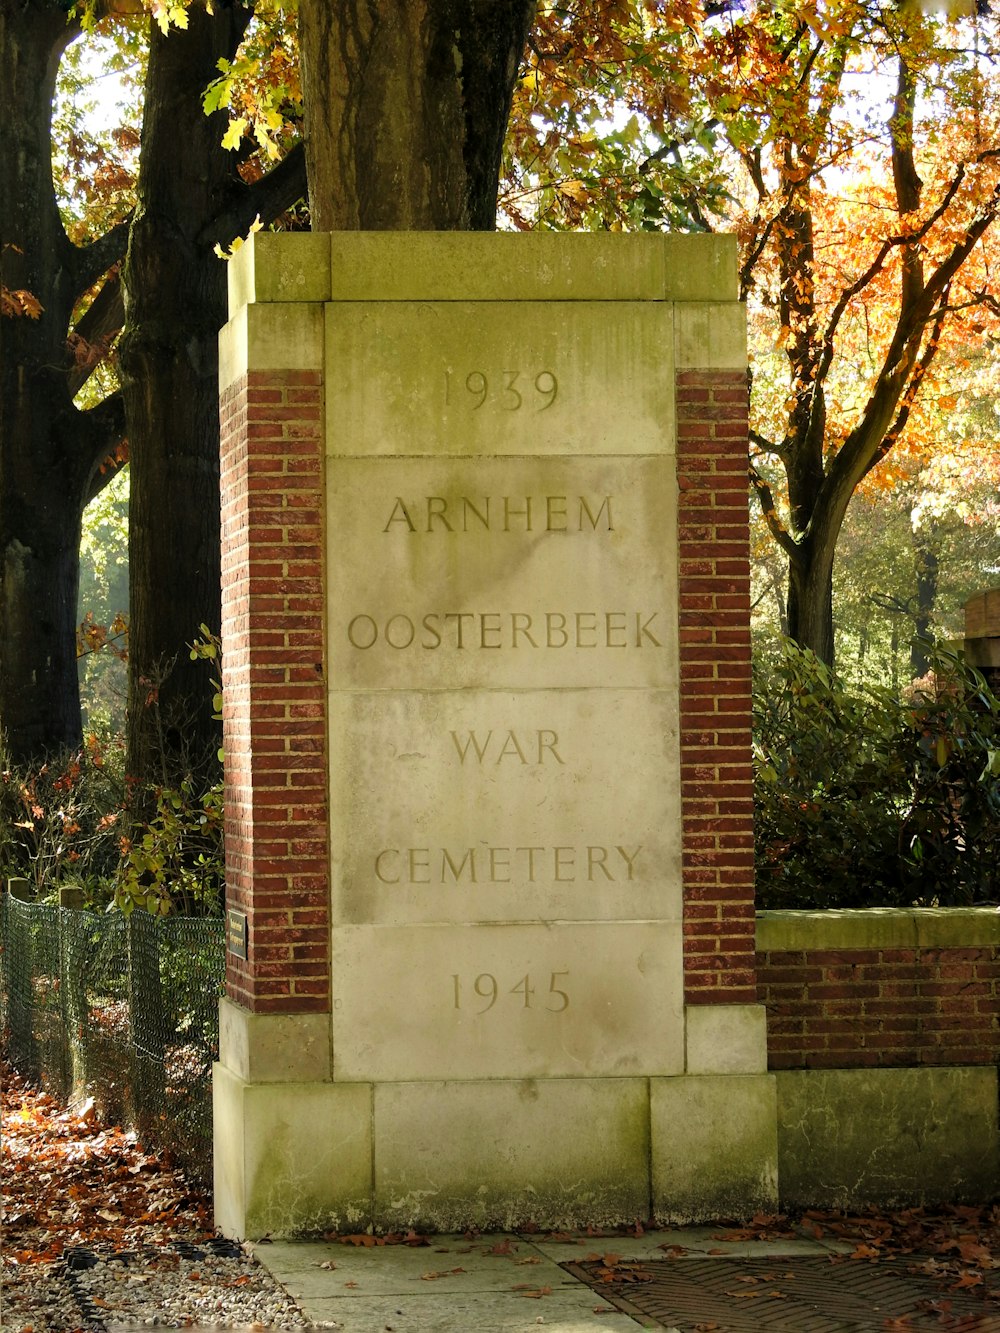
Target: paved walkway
<point x="688" y="1279"/>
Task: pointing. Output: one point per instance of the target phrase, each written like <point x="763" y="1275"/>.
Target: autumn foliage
<point x="855" y="150"/>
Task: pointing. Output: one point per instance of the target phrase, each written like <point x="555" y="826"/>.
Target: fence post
<point x="72" y="989"/>
<point x="145" y="1017"/>
<point x="17" y="969"/>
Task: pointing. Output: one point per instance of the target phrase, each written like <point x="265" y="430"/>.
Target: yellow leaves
<point x="233" y="136"/>
<point x="239" y="242"/>
<point x="166" y="13"/>
<point x="575" y="190"/>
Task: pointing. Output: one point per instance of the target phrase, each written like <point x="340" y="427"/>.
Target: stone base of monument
<point x="887" y="1137"/>
<point x="299" y="1153"/>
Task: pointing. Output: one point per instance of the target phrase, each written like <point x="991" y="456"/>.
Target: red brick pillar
<point x="274" y="716"/>
<point x="714" y="636"/>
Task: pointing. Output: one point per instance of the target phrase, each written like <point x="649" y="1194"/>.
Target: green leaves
<point x="175" y="863"/>
<point x="863" y="798"/>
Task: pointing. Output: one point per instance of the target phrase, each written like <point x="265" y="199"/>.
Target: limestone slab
<point x="497" y="1154"/>
<point x="273" y="1048"/>
<point x="283" y="336"/>
<point x="710" y="335"/>
<point x="714" y="1146"/>
<point x="467" y="380"/>
<point x="501" y="267"/>
<point x="507" y="1001"/>
<point x="513" y="573"/>
<point x="878" y="928"/>
<point x="848" y="1137"/>
<point x="504" y="806"/>
<point x="290" y="1158"/>
<point x="726" y="1038"/>
<point x="984" y="654"/>
<point x="285" y="266"/>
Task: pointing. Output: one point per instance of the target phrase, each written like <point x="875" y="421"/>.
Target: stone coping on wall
<point x="878" y="928"/>
<point x="482" y="266"/>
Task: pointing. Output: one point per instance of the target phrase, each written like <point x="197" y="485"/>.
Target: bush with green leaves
<point x="864" y="798"/>
<point x="174" y="862"/>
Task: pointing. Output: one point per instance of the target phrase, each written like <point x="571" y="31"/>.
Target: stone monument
<point x="486" y="675"/>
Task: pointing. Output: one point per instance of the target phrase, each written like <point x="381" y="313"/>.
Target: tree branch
<point x="91" y="337"/>
<point x="99" y="432"/>
<point x="282" y="187"/>
<point x="765" y="498"/>
<point x="909" y="394"/>
<point x="765" y="445"/>
<point x="91" y="261"/>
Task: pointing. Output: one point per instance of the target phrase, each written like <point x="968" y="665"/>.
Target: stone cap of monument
<point x="483" y="266"/>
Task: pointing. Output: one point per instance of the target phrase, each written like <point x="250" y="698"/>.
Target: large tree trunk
<point x="810" y="593"/>
<point x="406" y="109"/>
<point x="176" y="304"/>
<point x="48" y="449"/>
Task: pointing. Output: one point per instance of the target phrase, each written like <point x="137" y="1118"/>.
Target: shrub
<point x="60" y="823"/>
<point x="863" y="798"/>
<point x="175" y="861"/>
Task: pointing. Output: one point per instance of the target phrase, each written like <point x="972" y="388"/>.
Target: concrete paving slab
<point x="579" y="1311"/>
<point x="451" y="1263"/>
<point x="497" y="1283"/>
<point x="696" y="1242"/>
<point x="493" y="1284"/>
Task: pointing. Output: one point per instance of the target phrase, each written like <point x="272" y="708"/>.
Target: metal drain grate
<point x="794" y="1295"/>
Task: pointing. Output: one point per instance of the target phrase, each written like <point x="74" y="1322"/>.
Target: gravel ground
<point x="99" y="1233"/>
<point x="214" y="1284"/>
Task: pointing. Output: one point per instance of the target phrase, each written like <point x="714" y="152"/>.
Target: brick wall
<point x="880" y="999"/>
<point x="274" y="720"/>
<point x="714" y="619"/>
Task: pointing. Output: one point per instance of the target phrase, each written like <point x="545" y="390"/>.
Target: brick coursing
<point x="714" y="635"/>
<point x="852" y="1008"/>
<point x="274" y="713"/>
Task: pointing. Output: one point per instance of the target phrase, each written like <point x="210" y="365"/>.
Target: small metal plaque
<point x="237" y="932"/>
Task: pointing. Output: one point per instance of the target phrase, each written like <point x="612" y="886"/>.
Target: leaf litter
<point x="87" y="1209"/>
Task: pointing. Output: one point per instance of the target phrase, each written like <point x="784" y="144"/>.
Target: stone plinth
<point x="486" y="644"/>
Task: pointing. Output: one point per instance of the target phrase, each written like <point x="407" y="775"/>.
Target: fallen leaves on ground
<point x="365" y="1240"/>
<point x="69" y="1181"/>
<point x="957" y="1244"/>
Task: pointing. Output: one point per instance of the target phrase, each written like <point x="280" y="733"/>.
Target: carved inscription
<point x="505" y="865"/>
<point x="487" y="988"/>
<point x="489" y="748"/>
<point x="506" y="629"/>
<point x="501" y="513"/>
<point x="507" y="390"/>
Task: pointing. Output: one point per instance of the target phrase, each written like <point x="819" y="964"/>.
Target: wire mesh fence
<point x="124" y="1010"/>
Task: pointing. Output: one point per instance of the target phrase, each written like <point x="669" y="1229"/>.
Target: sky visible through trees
<point x="620" y="120"/>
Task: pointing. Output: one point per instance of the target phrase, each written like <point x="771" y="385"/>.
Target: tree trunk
<point x="406" y="109"/>
<point x="176" y="304"/>
<point x="45" y="470"/>
<point x="926" y="563"/>
<point x="810" y="593"/>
